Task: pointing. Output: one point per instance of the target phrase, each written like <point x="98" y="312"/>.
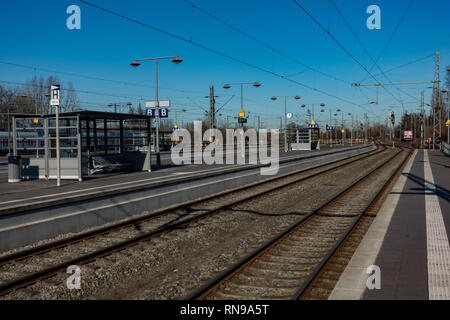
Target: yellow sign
<point x="343" y="131"/>
<point x="313" y="122"/>
<point x="357" y="139"/>
<point x="448" y="122"/>
<point x="242" y="113"/>
<point x="36" y="120"/>
<point x="175" y="126"/>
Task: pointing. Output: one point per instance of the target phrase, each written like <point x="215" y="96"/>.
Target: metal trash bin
<point x="14" y="169"/>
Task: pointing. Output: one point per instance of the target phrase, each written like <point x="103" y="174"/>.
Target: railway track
<point x="287" y="265"/>
<point x="24" y="268"/>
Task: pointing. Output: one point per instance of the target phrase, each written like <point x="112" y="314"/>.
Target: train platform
<point x="36" y="210"/>
<point x="408" y="239"/>
<point x="17" y="196"/>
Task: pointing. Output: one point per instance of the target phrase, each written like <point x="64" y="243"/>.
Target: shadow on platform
<point x="440" y="191"/>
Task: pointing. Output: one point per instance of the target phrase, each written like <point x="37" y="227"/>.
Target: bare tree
<point x="69" y="98"/>
<point x="447" y="83"/>
<point x="34" y="98"/>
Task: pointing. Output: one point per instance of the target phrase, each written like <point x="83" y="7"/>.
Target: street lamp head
<point x="322" y="104"/>
<point x="227" y="86"/>
<point x="110" y="105"/>
<point x="274" y="98"/>
<point x="129" y="104"/>
<point x="257" y="84"/>
<point x="297" y="97"/>
<point x="177" y="60"/>
<point x="338" y="110"/>
<point x="303" y="105"/>
<point x="135" y="63"/>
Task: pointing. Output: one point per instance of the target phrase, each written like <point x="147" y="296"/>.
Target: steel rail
<point x="240" y="264"/>
<point x="313" y="275"/>
<point x="115" y="227"/>
<point x="131" y="187"/>
<point x="50" y="271"/>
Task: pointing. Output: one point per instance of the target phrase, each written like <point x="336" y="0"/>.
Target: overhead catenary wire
<point x="110" y="95"/>
<point x="386" y="45"/>
<point x="273" y="49"/>
<point x="407" y="64"/>
<point x="339" y="44"/>
<point x="362" y="46"/>
<point x="357" y="38"/>
<point x="73" y="90"/>
<point x="93" y="77"/>
<point x="214" y="51"/>
<point x="408" y="94"/>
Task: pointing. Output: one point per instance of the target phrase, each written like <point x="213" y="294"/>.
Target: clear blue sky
<point x="34" y="33"/>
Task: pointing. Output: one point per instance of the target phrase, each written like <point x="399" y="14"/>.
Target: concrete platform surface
<point x="408" y="240"/>
<point x="15" y="197"/>
<point x="48" y="211"/>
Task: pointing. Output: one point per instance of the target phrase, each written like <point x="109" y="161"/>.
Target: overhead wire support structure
<point x="387" y="84"/>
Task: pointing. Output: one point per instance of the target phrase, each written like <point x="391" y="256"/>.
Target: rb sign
<point x="407" y="135"/>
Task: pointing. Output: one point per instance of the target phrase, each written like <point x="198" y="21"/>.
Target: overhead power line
<point x="214" y="51"/>
<point x="340" y="44"/>
<point x="244" y="33"/>
<point x="72" y="90"/>
<point x="392" y="35"/>
<point x="357" y="38"/>
<point x="362" y="45"/>
<point x="91" y="77"/>
<point x="407" y="64"/>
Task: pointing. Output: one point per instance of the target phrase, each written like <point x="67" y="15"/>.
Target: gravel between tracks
<point x="170" y="266"/>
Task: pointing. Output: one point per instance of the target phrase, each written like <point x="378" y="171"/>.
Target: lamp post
<point x="312" y="104"/>
<point x="285" y="117"/>
<point x="351" y="130"/>
<point x="9" y="132"/>
<point x="308" y="113"/>
<point x="331" y="131"/>
<point x="242" y="112"/>
<point x="342" y="125"/>
<point x="228" y="86"/>
<point x="137" y="63"/>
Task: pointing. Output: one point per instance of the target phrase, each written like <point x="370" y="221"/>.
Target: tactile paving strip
<point x="438" y="249"/>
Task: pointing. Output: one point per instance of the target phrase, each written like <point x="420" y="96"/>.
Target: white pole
<point x="242" y="124"/>
<point x="58" y="157"/>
